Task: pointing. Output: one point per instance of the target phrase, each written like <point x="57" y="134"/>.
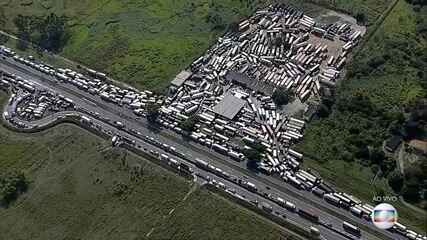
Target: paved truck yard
<point x="228" y="92"/>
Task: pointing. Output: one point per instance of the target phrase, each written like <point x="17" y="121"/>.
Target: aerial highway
<point x="92" y="105"/>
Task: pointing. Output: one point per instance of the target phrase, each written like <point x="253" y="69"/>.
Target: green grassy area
<point x="371" y="9"/>
<point x="146" y="43"/>
<point x="204" y="203"/>
<point x="82" y="189"/>
<point x="387" y="76"/>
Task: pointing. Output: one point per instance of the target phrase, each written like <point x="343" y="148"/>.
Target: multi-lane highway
<point x="94" y="105"/>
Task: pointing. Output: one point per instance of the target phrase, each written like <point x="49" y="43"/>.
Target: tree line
<point x="48" y="32"/>
<point x="11" y="185"/>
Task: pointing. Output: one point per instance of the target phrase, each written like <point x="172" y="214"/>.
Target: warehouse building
<point x="243" y="80"/>
<point x="229" y="106"/>
<point x="181" y="78"/>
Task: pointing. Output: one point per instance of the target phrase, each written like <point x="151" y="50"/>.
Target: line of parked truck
<point x="95" y="83"/>
<point x="30" y="103"/>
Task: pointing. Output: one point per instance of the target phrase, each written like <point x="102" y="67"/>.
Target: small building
<point x="181" y="78"/>
<point x="310" y="112"/>
<point x="418" y="146"/>
<point x="229" y="106"/>
<point x="393" y="143"/>
<point x="238" y="78"/>
<point x="244" y="80"/>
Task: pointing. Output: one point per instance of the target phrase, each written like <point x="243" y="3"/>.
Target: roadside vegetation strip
<point x="48" y="56"/>
<point x="298" y="232"/>
<point x="195" y="207"/>
<point x="373" y="29"/>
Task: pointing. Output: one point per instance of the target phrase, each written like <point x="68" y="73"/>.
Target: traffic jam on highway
<point x="227" y="93"/>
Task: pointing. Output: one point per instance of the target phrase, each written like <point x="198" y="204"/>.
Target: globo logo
<point x="384" y="216"/>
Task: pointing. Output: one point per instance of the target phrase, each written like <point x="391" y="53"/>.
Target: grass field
<point x="146" y="43"/>
<point x="81" y="189"/>
<point x="372" y="9"/>
<point x="204" y="203"/>
<point x="396" y="81"/>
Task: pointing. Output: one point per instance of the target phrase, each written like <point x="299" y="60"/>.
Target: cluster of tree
<point x="3" y="39"/>
<point x="415" y="125"/>
<point x="361" y="18"/>
<point x="253" y="154"/>
<point x="357" y="103"/>
<point x="421" y="26"/>
<point x="414" y="181"/>
<point x="413" y="184"/>
<point x="418" y="2"/>
<point x="373" y="64"/>
<point x="190" y="124"/>
<point x="46" y="32"/>
<point x="120" y="189"/>
<point x="400" y="52"/>
<point x="362" y="143"/>
<point x="153" y="112"/>
<point x="325" y="106"/>
<point x="233" y="27"/>
<point x="218" y="14"/>
<point x="282" y="96"/>
<point x="215" y="16"/>
<point x="11" y="185"/>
